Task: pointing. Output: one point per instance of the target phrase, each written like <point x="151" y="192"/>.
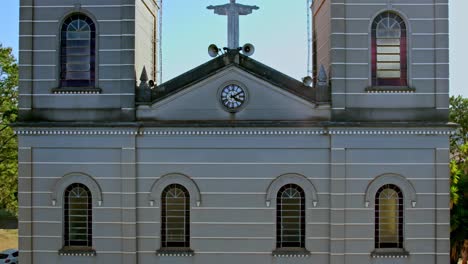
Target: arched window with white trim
<point x="290" y="217"/>
<point x="175" y="217"/>
<point x="389" y="217"/>
<point x="389" y="50"/>
<point x="78" y="52"/>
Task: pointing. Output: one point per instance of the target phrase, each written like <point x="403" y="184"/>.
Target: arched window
<point x="389" y="217"/>
<point x="290" y="217"/>
<point x="78" y="216"/>
<point x="389" y="51"/>
<point x="77" y="52"/>
<point x="175" y="216"/>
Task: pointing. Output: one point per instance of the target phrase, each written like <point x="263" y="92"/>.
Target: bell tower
<point x="386" y="60"/>
<point x="79" y="61"/>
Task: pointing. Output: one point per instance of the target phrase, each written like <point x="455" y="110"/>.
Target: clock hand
<point x="237" y="99"/>
<point x="229" y="98"/>
<point x="237" y="94"/>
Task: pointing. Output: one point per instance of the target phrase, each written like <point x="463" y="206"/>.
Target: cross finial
<point x="233" y="11"/>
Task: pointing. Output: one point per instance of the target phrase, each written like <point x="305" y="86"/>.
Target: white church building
<point x="233" y="162"/>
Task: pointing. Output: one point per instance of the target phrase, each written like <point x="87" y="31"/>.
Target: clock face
<point x="233" y="97"/>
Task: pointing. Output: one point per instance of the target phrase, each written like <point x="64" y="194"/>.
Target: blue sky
<point x="278" y="31"/>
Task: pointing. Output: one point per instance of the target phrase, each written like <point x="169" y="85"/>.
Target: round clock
<point x="233" y="97"/>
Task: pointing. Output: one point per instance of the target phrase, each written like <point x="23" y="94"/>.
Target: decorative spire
<point x="322" y="78"/>
<point x="322" y="89"/>
<point x="144" y="75"/>
<point x="144" y="90"/>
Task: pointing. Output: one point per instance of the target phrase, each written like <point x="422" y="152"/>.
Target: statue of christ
<point x="232" y="11"/>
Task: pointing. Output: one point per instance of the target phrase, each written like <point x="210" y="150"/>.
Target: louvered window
<point x="389" y="56"/>
<point x="78" y="52"/>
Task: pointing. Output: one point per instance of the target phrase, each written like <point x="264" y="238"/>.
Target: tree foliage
<point x="8" y="142"/>
<point x="459" y="179"/>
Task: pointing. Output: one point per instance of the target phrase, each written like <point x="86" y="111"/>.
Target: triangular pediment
<point x="269" y="95"/>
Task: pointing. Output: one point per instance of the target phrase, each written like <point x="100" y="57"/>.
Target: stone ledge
<point x="390" y="253"/>
<point x="175" y="252"/>
<point x="77" y="251"/>
<point x="291" y="253"/>
<point x="76" y="90"/>
<point x="390" y="89"/>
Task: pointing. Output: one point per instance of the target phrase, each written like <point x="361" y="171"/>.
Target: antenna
<point x="160" y="11"/>
<point x="309" y="37"/>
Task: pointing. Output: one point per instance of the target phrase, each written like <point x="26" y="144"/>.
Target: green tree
<point x="459" y="180"/>
<point x="8" y="142"/>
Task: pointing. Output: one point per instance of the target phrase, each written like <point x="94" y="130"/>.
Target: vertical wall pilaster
<point x="337" y="205"/>
<point x="26" y="59"/>
<point x="129" y="219"/>
<point x="442" y="198"/>
<point x="338" y="56"/>
<point x="25" y="202"/>
<point x="441" y="63"/>
<point x="127" y="98"/>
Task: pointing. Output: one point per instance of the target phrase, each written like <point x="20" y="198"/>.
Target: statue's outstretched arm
<point x="219" y="10"/>
<point x="245" y="9"/>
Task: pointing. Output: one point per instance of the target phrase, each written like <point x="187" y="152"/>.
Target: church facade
<point x="233" y="161"/>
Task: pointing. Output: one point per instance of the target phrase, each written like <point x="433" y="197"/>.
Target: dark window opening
<point x="78" y="216"/>
<point x="290" y="217"/>
<point x="175" y="215"/>
<point x="389" y="217"/>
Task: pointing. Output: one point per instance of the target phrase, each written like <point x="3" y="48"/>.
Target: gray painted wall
<point x="146" y="37"/>
<point x="233" y="223"/>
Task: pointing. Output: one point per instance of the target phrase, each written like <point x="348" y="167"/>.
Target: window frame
<point x="63" y="59"/>
<point x="279" y="219"/>
<point x="399" y="216"/>
<point x="68" y="242"/>
<point x="165" y="244"/>
<point x="401" y="81"/>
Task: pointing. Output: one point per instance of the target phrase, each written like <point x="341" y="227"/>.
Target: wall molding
<point x="292" y="178"/>
<point x="233" y="132"/>
<point x="409" y="192"/>
<point x="174" y="178"/>
<point x="76" y="177"/>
